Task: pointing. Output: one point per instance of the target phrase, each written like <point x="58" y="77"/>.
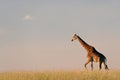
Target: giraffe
<point x="92" y="54"/>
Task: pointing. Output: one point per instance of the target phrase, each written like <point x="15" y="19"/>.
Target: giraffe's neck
<point x="86" y="46"/>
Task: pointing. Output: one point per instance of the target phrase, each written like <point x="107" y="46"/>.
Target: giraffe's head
<point x="74" y="37"/>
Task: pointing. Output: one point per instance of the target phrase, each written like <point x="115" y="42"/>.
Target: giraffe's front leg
<point x="86" y="64"/>
<point x="91" y="65"/>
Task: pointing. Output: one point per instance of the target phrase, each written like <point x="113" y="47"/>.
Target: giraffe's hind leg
<point x="100" y="65"/>
<point x="105" y="65"/>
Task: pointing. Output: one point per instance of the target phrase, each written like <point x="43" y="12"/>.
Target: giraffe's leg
<point x="86" y="64"/>
<point x="91" y="65"/>
<point x="105" y="65"/>
<point x="100" y="65"/>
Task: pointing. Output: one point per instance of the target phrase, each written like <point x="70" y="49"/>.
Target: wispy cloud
<point x="28" y="17"/>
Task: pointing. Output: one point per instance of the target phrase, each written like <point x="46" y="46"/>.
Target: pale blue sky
<point x="36" y="34"/>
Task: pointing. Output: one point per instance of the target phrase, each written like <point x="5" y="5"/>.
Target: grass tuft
<point x="62" y="75"/>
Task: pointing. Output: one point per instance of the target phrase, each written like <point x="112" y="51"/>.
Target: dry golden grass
<point x="62" y="75"/>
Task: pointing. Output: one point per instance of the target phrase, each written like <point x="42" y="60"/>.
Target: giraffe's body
<point x="92" y="53"/>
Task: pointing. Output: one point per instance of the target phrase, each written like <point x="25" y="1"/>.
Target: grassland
<point x="62" y="75"/>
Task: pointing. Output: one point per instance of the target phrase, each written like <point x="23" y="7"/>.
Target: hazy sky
<point x="36" y="34"/>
